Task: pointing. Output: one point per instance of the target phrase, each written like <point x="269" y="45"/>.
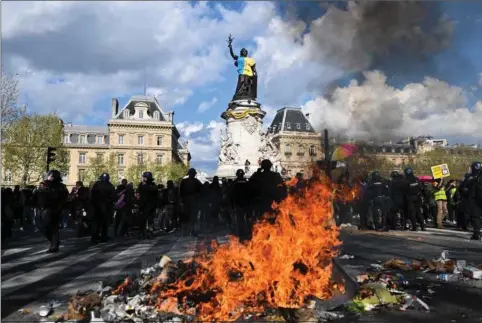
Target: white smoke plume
<point x="375" y="110"/>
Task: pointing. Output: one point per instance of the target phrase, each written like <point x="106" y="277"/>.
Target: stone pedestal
<point x="242" y="139"/>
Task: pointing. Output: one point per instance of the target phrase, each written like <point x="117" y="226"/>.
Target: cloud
<point x="206" y="105"/>
<point x="204" y="141"/>
<point x="177" y="47"/>
<point x="374" y="110"/>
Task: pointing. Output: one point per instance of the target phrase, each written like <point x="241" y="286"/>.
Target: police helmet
<point x="239" y="173"/>
<point x="104" y="177"/>
<point x="476" y="168"/>
<point x="394" y="174"/>
<point x="266" y="164"/>
<point x="191" y="172"/>
<point x="54" y="175"/>
<point x="408" y="171"/>
<point x="148" y="176"/>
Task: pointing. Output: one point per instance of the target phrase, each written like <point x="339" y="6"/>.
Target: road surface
<point x="30" y="277"/>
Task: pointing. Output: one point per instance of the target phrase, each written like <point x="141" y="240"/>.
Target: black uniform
<point x="413" y="202"/>
<point x="474" y="189"/>
<point x="240" y="203"/>
<point x="148" y="194"/>
<point x="103" y="197"/>
<point x="376" y="195"/>
<point x="396" y="188"/>
<point x="55" y="196"/>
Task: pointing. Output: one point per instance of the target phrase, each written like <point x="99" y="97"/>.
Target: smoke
<point x="374" y="110"/>
<point x="392" y="38"/>
<point x="365" y="34"/>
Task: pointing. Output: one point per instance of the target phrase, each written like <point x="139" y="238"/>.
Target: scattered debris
<point x="346" y="257"/>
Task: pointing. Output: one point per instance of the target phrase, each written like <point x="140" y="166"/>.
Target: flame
<point x="285" y="262"/>
<point x="120" y="289"/>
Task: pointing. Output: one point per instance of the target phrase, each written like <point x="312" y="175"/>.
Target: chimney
<point x="171" y="117"/>
<point x="115" y="107"/>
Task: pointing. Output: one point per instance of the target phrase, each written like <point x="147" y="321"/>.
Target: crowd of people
<point x="403" y="202"/>
<point x="142" y="209"/>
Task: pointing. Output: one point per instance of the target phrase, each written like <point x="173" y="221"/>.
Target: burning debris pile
<point x="286" y="264"/>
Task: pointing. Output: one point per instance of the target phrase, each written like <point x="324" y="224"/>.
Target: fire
<point x="284" y="263"/>
<point x="120" y="289"/>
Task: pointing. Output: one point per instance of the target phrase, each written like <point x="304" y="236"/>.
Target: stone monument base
<point x="243" y="138"/>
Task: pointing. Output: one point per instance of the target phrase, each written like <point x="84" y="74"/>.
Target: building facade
<point x="139" y="133"/>
<point x="298" y="143"/>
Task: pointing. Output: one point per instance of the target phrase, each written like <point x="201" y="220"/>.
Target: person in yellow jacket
<point x="451" y="191"/>
<point x="441" y="200"/>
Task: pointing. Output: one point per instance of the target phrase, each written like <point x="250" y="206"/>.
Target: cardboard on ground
<point x="440" y="171"/>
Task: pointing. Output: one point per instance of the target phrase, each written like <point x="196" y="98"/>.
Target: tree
<point x="25" y="147"/>
<point x="363" y="161"/>
<point x="458" y="160"/>
<point x="101" y="164"/>
<point x="161" y="172"/>
<point x="10" y="111"/>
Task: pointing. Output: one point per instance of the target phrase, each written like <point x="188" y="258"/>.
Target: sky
<point x="367" y="71"/>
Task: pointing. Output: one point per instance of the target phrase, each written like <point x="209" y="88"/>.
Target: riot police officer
<point x="56" y="195"/>
<point x="102" y="197"/>
<point x="474" y="190"/>
<point x="413" y="200"/>
<point x="396" y="199"/>
<point x="376" y="195"/>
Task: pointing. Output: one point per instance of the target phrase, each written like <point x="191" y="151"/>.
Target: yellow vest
<point x="440" y="195"/>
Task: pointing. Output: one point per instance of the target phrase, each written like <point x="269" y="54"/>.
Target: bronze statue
<point x="246" y="89"/>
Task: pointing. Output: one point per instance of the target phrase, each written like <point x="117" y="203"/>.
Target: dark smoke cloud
<point x="365" y="34"/>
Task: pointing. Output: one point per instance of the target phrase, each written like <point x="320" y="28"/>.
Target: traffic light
<point x="50" y="156"/>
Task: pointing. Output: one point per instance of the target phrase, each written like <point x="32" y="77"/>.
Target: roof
<point x="152" y="106"/>
<point x="86" y="129"/>
<point x="291" y="120"/>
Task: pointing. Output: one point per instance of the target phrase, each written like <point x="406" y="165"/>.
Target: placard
<point x="440" y="171"/>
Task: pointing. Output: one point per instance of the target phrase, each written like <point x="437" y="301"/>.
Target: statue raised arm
<point x="247" y="74"/>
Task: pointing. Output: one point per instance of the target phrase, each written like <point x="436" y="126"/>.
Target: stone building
<point x="139" y="132"/>
<point x="298" y="143"/>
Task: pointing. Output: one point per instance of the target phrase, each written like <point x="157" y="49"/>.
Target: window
<point x="156" y="115"/>
<point x="120" y="175"/>
<point x="8" y="176"/>
<point x="100" y="140"/>
<point x="121" y="139"/>
<point x="81" y="175"/>
<point x="312" y="150"/>
<point x="308" y="126"/>
<point x="140" y="140"/>
<point x="287" y="149"/>
<point x="288" y="126"/>
<point x="159" y="140"/>
<point x="141" y="114"/>
<point x="82" y="158"/>
<point x="120" y="159"/>
<point x="298" y="126"/>
<point x="301" y="150"/>
<point x="126" y="114"/>
<point x="83" y="139"/>
<point x="159" y="158"/>
<point x="140" y="158"/>
<point x="66" y="139"/>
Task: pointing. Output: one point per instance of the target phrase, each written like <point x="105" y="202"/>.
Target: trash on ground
<point x="472" y="272"/>
<point x="346" y="257"/>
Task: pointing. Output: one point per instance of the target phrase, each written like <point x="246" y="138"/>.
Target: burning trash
<point x="287" y="263"/>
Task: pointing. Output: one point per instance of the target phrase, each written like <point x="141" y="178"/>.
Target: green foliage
<point x="161" y="172"/>
<point x="101" y="163"/>
<point x="458" y="159"/>
<point x="25" y="145"/>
